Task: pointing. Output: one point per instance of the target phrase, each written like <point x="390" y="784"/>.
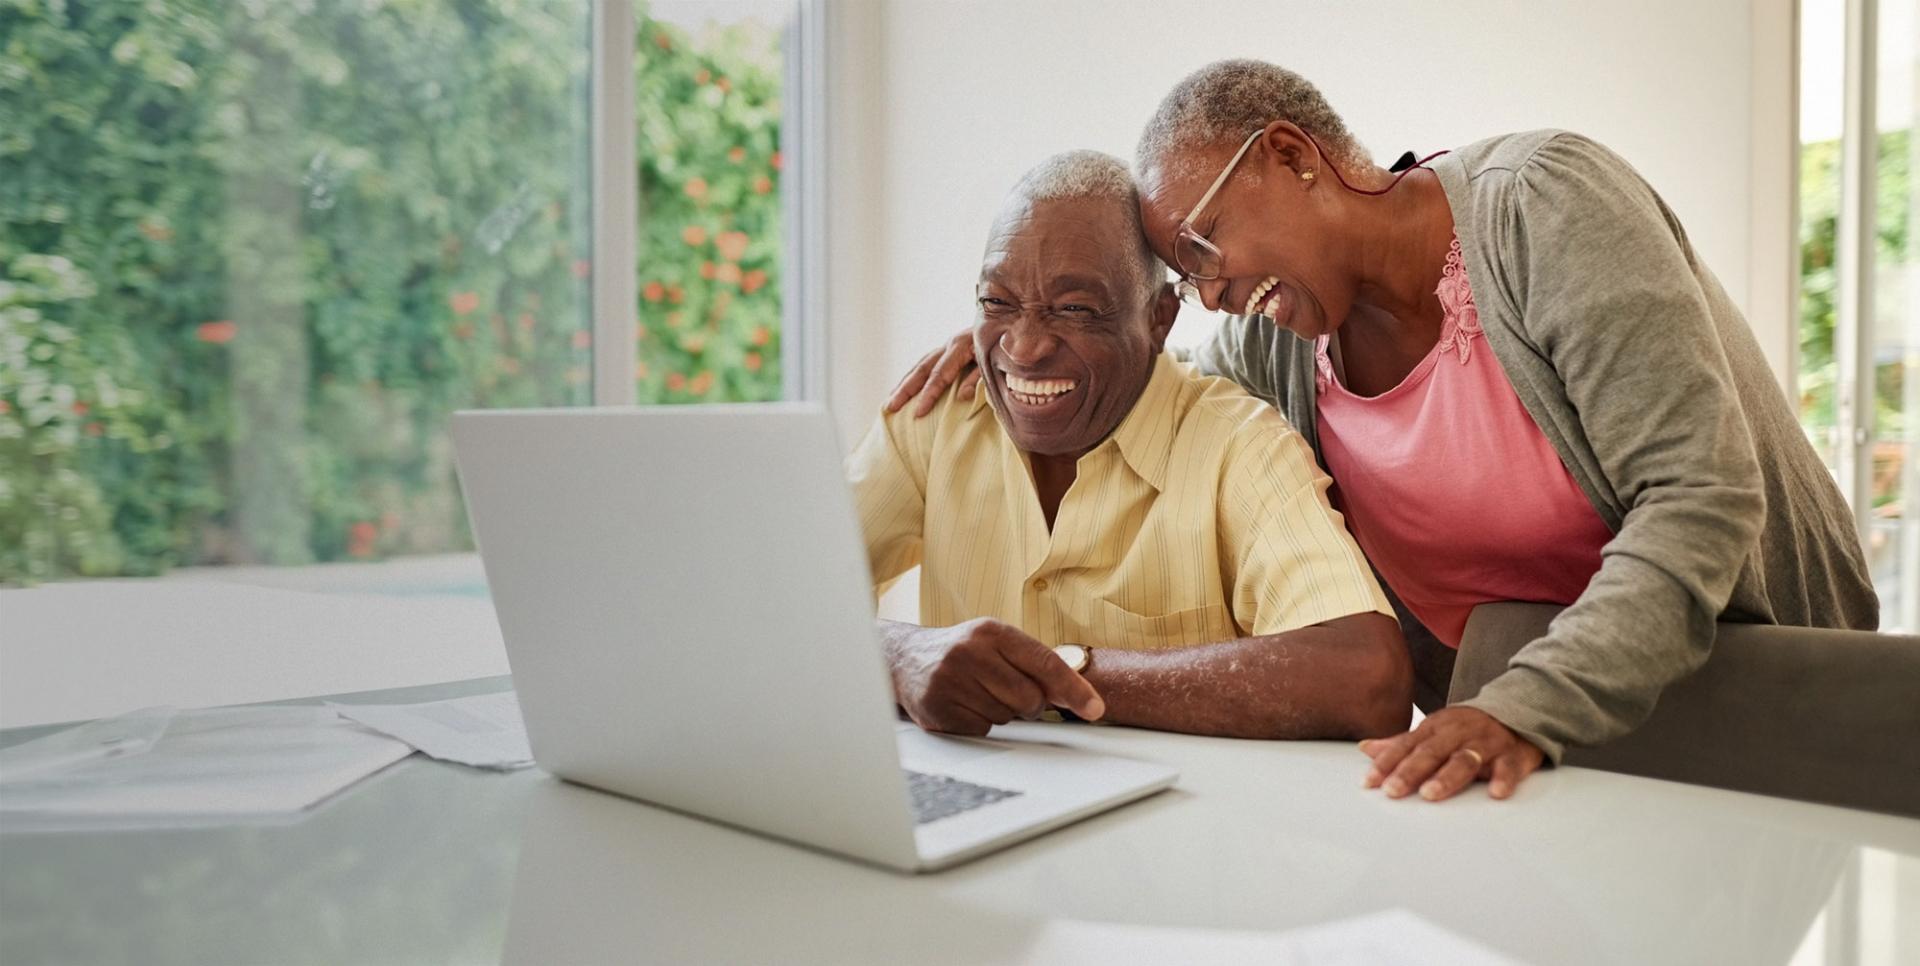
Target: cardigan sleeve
<point x="1609" y="295"/>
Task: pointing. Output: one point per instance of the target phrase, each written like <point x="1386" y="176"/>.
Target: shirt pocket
<point x="1110" y="625"/>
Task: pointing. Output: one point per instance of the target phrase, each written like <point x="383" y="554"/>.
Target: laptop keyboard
<point x="938" y="796"/>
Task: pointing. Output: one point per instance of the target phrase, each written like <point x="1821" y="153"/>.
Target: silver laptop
<point x="688" y="614"/>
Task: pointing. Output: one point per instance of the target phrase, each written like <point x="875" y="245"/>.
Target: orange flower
<point x="696" y="188"/>
<point x="463" y="302"/>
<point x="676" y="382"/>
<point x="81" y="408"/>
<point x="724" y="84"/>
<point x="693" y="235"/>
<point x="654" y="292"/>
<point x="582" y="339"/>
<point x="732" y="245"/>
<point x="662" y="41"/>
<point x="582" y="268"/>
<point x="219" y="332"/>
<point x="777" y="160"/>
<point x="736" y="154"/>
<point x="760" y="335"/>
<point x="361" y="537"/>
<point x="754" y="280"/>
<point x="640" y="370"/>
<point x="463" y="331"/>
<point x="703" y="76"/>
<point x="762" y="185"/>
<point x="752" y="362"/>
<point x="676" y="294"/>
<point x="694" y="343"/>
<point x="728" y="272"/>
<point x="676" y="320"/>
<point x="5" y="407"/>
<point x="95" y="429"/>
<point x="707" y="270"/>
<point x="701" y="383"/>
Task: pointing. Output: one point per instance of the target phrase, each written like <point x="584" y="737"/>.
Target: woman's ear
<point x="1294" y="148"/>
<point x="1166" y="308"/>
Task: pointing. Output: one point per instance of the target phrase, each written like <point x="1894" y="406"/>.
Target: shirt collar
<point x="1145" y="436"/>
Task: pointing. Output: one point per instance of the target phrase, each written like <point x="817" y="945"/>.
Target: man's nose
<point x="1027" y="341"/>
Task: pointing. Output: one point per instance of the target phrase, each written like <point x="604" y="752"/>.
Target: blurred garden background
<point x="253" y="253"/>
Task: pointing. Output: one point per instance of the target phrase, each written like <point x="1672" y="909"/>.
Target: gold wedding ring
<point x="1477" y="759"/>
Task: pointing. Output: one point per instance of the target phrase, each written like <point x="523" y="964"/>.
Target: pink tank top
<point x="1449" y="486"/>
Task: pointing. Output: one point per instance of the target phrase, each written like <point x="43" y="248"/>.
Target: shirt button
<point x="1039" y="583"/>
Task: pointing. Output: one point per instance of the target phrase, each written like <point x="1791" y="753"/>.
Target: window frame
<point x="616" y="215"/>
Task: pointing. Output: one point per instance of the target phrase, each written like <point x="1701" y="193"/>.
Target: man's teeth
<point x="1253" y="306"/>
<point x="1037" y="391"/>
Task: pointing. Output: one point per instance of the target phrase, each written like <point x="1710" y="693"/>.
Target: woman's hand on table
<point x="1451" y="749"/>
<point x="936" y="371"/>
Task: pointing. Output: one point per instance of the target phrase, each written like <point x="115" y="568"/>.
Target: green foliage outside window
<point x="253" y="253"/>
<point x="1819" y="247"/>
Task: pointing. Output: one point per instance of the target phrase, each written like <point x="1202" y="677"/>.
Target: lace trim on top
<point x="1460" y="323"/>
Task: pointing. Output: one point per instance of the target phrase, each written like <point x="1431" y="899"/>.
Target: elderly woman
<point x="1525" y="385"/>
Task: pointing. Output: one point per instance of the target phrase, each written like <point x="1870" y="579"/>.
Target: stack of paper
<point x="162" y="767"/>
<point x="484" y="731"/>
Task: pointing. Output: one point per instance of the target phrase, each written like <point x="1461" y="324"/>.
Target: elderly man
<point x="1104" y="531"/>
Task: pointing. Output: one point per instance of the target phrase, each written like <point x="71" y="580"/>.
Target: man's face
<point x="1066" y="335"/>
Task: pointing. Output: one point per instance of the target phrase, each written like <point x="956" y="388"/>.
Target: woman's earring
<point x="1306" y="175"/>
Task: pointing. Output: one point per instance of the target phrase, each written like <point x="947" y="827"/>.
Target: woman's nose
<point x="1212" y="292"/>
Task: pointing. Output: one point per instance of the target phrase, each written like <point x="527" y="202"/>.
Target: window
<point x="1859" y="312"/>
<point x="252" y="254"/>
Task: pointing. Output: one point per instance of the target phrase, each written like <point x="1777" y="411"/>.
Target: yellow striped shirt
<point x="1202" y="518"/>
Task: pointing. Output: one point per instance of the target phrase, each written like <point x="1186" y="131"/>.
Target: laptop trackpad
<point x="921" y="751"/>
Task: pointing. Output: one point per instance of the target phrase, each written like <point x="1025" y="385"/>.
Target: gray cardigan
<point x="1645" y="378"/>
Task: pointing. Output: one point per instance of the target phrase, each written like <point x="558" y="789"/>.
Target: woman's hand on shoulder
<point x="935" y="371"/>
<point x="1451" y="749"/>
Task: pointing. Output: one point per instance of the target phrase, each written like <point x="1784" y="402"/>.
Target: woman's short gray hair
<point x="1226" y="101"/>
<point x="1101" y="176"/>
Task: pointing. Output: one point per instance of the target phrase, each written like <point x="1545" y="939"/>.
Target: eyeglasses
<point x="1194" y="256"/>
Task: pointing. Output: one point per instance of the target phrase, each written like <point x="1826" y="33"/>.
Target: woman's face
<point x="1276" y="231"/>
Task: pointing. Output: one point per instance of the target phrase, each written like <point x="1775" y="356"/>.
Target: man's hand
<point x="1447" y="752"/>
<point x="969" y="677"/>
<point x="935" y="372"/>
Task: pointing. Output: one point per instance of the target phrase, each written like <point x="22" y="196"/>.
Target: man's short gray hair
<point x="1094" y="174"/>
<point x="1225" y="102"/>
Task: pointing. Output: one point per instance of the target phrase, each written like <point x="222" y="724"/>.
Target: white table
<point x="430" y="862"/>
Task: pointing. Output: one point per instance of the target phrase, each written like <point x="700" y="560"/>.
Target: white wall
<point x="942" y="104"/>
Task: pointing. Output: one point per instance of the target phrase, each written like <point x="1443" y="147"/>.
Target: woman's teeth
<point x="1254" y="304"/>
<point x="1037" y="392"/>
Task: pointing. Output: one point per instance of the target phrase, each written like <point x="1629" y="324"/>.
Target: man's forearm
<point x="1347" y="678"/>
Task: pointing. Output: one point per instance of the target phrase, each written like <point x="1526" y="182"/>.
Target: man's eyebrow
<point x="1088" y="283"/>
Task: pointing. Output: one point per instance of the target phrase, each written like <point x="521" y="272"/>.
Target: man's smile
<point x="1038" y="395"/>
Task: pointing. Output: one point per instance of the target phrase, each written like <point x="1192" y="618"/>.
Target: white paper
<point x="210" y="766"/>
<point x="484" y="730"/>
<point x="1394" y="937"/>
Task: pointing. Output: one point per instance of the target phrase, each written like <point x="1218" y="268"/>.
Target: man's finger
<point x="1419" y="765"/>
<point x="1457" y="773"/>
<point x="1012" y="687"/>
<point x="959" y="720"/>
<point x="1386" y="754"/>
<point x="1062" y="685"/>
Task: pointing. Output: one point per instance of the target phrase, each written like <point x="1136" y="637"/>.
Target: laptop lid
<point x="687" y="609"/>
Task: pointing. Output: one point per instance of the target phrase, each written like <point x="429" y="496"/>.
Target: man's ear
<point x="1166" y="307"/>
